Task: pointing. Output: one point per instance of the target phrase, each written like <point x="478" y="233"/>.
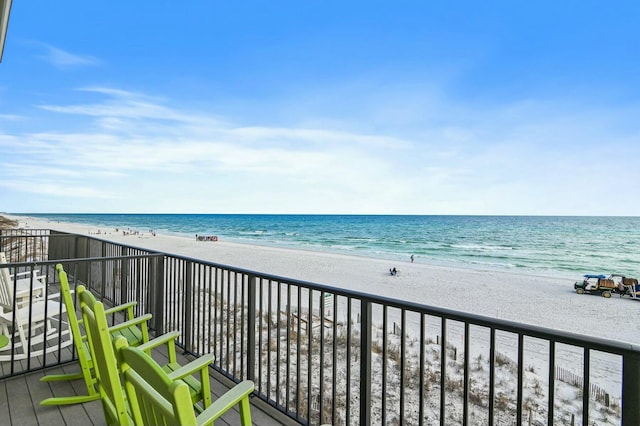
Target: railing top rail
<point x="80" y="260"/>
<point x="4" y="231"/>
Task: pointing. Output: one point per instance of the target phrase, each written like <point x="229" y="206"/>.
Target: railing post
<point x="86" y="246"/>
<point x="365" y="363"/>
<point x="52" y="248"/>
<point x="251" y="329"/>
<point x="79" y="247"/>
<point x="631" y="389"/>
<point x="188" y="299"/>
<point x="157" y="296"/>
<point x="125" y="287"/>
<point x="72" y="252"/>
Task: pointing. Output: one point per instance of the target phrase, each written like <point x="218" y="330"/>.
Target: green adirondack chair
<point x="156" y="397"/>
<point x="134" y="330"/>
<point x="114" y="403"/>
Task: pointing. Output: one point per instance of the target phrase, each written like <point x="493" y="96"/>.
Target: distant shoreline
<point x="564" y="247"/>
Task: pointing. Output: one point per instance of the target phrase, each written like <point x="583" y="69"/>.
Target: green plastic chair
<point x="114" y="403"/>
<point x="110" y="390"/>
<point x="157" y="398"/>
<point x="200" y="389"/>
<point x="134" y="330"/>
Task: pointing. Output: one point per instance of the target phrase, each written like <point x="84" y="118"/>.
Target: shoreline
<point x="545" y="245"/>
<point x="535" y="299"/>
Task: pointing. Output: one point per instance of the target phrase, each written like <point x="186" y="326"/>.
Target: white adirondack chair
<point x="25" y="285"/>
<point x="29" y="320"/>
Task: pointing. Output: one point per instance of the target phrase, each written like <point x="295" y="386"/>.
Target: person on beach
<point x="411" y="258"/>
<point x="393" y="271"/>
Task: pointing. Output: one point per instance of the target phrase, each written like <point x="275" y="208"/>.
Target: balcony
<point x="319" y="354"/>
<point x="24" y="392"/>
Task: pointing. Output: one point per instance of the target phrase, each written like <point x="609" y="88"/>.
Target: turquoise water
<point x="524" y="243"/>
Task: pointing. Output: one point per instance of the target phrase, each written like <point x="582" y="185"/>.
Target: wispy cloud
<point x="122" y="105"/>
<point x="62" y="59"/>
<point x="11" y="117"/>
<point x="62" y="190"/>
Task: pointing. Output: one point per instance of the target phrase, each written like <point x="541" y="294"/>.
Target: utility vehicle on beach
<point x="626" y="285"/>
<point x="596" y="284"/>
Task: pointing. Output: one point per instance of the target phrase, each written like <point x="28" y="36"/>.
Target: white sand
<point x="533" y="299"/>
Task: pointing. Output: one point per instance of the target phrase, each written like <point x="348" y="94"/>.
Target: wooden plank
<point x="4" y="398"/>
<point x="73" y="414"/>
<point x="20" y="410"/>
<point x="79" y="414"/>
<point x="38" y="392"/>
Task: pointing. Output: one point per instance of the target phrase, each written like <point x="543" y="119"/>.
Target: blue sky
<point x="402" y="107"/>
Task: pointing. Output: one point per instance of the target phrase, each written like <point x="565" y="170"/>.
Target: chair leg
<point x="69" y="400"/>
<point x="61" y="377"/>
<point x="92" y="394"/>
<point x="245" y="412"/>
<point x="85" y="374"/>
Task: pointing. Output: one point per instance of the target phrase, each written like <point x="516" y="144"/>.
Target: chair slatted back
<point x="154" y="398"/>
<point x="79" y="338"/>
<point x="6" y="287"/>
<point x="136" y="331"/>
<point x="111" y="392"/>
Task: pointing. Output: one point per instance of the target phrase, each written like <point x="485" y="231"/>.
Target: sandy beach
<point x="546" y="301"/>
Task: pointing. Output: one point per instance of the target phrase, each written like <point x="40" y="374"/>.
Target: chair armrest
<point x="160" y="340"/>
<point x="119" y="308"/>
<point x="23" y="300"/>
<point x="138" y="320"/>
<point x="36" y="278"/>
<point x="229" y="400"/>
<point x="196" y="365"/>
<point x="25" y="273"/>
<point x="20" y="274"/>
<point x="37" y="288"/>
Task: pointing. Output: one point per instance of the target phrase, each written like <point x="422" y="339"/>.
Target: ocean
<point x="531" y="244"/>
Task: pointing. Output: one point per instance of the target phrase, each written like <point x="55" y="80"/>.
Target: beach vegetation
<point x="476" y="395"/>
<point x="479" y="363"/>
<point x="394" y="354"/>
<point x="502" y="401"/>
<point x="502" y="360"/>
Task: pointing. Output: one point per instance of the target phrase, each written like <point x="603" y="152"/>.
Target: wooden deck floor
<point x="20" y="398"/>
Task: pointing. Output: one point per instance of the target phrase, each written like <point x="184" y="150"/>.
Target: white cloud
<point x="62" y="59"/>
<point x="59" y="190"/>
<point x="11" y="117"/>
<point x="137" y="153"/>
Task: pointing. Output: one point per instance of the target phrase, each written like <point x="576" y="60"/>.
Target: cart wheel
<point x="580" y="290"/>
<point x="606" y="294"/>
